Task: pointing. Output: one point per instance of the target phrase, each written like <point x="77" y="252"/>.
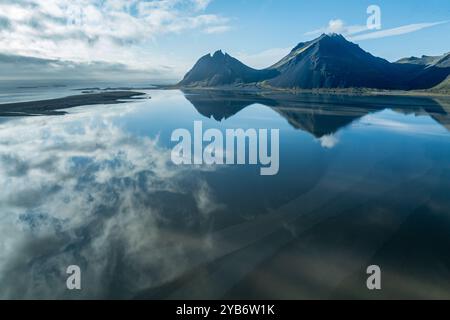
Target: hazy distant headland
<point x="329" y="64"/>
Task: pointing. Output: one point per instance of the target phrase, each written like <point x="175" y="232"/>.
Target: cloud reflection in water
<point x="79" y="189"/>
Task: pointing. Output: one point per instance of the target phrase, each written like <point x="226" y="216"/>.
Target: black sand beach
<point x="53" y="106"/>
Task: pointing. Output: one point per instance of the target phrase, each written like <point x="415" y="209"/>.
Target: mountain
<point x="423" y="61"/>
<point x="432" y="71"/>
<point x="221" y="69"/>
<point x="444" y="61"/>
<point x="331" y="61"/>
<point x="437" y="61"/>
<point x="328" y="62"/>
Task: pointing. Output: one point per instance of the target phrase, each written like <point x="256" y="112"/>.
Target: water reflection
<point x="320" y="115"/>
<point x="80" y="190"/>
<point x="87" y="188"/>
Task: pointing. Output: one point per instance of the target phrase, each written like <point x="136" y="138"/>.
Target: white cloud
<point x="201" y="4"/>
<point x="91" y="30"/>
<point x="328" y="141"/>
<point x="217" y="29"/>
<point x="81" y="189"/>
<point x="397" y="31"/>
<point x="18" y="68"/>
<point x="338" y="26"/>
<point x="389" y="120"/>
<point x="361" y="32"/>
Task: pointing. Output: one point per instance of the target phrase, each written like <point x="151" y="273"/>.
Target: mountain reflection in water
<point x="363" y="180"/>
<point x="317" y="114"/>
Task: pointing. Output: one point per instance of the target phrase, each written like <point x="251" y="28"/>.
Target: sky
<point x="162" y="39"/>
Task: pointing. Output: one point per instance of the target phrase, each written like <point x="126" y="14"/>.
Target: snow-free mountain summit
<point x="221" y="69"/>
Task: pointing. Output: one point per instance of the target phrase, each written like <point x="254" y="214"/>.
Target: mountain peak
<point x="330" y="61"/>
<point x="331" y="36"/>
<point x="221" y="69"/>
<point x="323" y="37"/>
<point x="336" y="35"/>
<point x="218" y="53"/>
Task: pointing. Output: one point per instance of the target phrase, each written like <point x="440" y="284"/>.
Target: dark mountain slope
<point x="443" y="87"/>
<point x="430" y="71"/>
<point x="331" y="61"/>
<point x="221" y="69"/>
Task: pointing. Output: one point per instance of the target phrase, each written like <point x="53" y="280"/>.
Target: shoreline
<point x="55" y="106"/>
<point x="349" y="92"/>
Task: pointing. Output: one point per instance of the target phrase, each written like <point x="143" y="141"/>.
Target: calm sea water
<point x="363" y="181"/>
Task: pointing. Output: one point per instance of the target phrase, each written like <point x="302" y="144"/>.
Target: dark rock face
<point x="221" y="69"/>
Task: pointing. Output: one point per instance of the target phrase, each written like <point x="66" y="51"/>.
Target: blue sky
<point x="260" y="25"/>
<point x="165" y="37"/>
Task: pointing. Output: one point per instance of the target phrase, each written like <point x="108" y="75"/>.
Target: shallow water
<point x="362" y="181"/>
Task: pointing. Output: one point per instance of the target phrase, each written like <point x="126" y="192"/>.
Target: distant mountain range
<point x="327" y="62"/>
<point x="439" y="61"/>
